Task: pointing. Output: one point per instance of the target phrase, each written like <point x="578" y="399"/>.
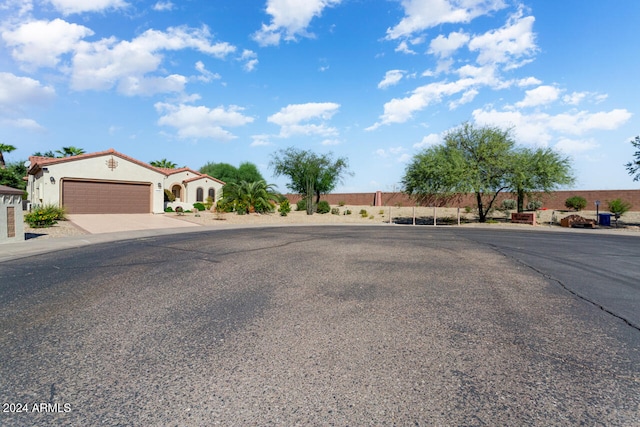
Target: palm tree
<point x="164" y="164"/>
<point x="45" y="154"/>
<point x="70" y="151"/>
<point x="249" y="197"/>
<point x="5" y="148"/>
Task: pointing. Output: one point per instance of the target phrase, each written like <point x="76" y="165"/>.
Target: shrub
<point x="169" y="196"/>
<point x="323" y="207"/>
<point x="301" y="205"/>
<point x="285" y="207"/>
<point x="468" y="209"/>
<point x="335" y="211"/>
<point x="347" y="212"/>
<point x="508" y="205"/>
<point x="364" y="213"/>
<point x="208" y="203"/>
<point x="618" y="207"/>
<point x="341" y="203"/>
<point x="44" y="216"/>
<point x="576" y="202"/>
<point x="534" y="205"/>
<point x="199" y="206"/>
<point x="381" y="212"/>
<point x="168" y="209"/>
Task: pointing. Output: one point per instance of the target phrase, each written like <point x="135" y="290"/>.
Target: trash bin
<point x="604" y="219"/>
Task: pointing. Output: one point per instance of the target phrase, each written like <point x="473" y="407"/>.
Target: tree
<point x="13" y="174"/>
<point x="229" y="174"/>
<point x="472" y="160"/>
<point x="309" y="173"/>
<point x="618" y="207"/>
<point x="45" y="154"/>
<point x="164" y="164"/>
<point x="249" y="197"/>
<point x="542" y="169"/>
<point x="69" y="151"/>
<point x="5" y="148"/>
<point x="634" y="166"/>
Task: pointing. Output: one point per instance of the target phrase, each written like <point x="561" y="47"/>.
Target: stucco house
<point x="11" y="216"/>
<point x="112" y="182"/>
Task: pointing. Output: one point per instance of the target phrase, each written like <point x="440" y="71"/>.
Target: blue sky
<point x="375" y="81"/>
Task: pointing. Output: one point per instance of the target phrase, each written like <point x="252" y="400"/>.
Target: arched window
<point x="212" y="194"/>
<point x="199" y="194"/>
<point x="176" y="192"/>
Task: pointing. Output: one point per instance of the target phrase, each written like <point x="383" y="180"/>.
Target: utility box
<point x="11" y="216"/>
<point x="604" y="219"/>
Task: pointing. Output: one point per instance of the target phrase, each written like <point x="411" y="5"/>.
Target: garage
<point x="104" y="197"/>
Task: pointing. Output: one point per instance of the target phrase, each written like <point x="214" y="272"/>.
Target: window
<point x="199" y="195"/>
<point x="212" y="194"/>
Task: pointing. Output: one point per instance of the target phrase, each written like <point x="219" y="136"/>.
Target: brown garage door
<point x="85" y="197"/>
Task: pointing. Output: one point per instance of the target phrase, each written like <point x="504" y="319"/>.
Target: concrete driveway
<point x="111" y="223"/>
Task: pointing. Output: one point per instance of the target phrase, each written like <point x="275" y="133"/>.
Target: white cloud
<point x="507" y="44"/>
<point x="146" y="86"/>
<point x="200" y="121"/>
<point x="445" y="46"/>
<point x="250" y="58"/>
<point x="542" y="95"/>
<point x="424" y="14"/>
<point x="331" y="142"/>
<point x="391" y="78"/>
<point x="206" y="75"/>
<point x="428" y="141"/>
<point x="466" y="98"/>
<point x="397" y="153"/>
<point x="27" y="124"/>
<point x="41" y="43"/>
<point x="290" y="19"/>
<point x="528" y="81"/>
<point x="105" y="63"/>
<point x="399" y="110"/>
<point x="260" y="141"/>
<point x="403" y="47"/>
<point x="163" y="6"/>
<point x="575" y="146"/>
<point x="16" y="91"/>
<point x="67" y="7"/>
<point x="292" y="119"/>
<point x="539" y="129"/>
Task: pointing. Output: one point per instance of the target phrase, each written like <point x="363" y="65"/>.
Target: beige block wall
<point x="15" y="202"/>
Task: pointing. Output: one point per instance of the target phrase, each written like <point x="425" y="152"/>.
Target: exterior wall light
<point x="52" y="179"/>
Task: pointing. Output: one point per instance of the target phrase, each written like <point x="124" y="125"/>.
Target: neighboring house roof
<point x="203" y="176"/>
<point x="37" y="163"/>
<point x="10" y="190"/>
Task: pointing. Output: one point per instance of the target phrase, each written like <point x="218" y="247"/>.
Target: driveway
<point x="111" y="223"/>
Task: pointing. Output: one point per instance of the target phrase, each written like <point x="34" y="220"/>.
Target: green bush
<point x="347" y="212"/>
<point x="508" y="205"/>
<point x="335" y="211"/>
<point x="208" y="203"/>
<point x="534" y="205"/>
<point x="285" y="207"/>
<point x="44" y="216"/>
<point x="199" y="206"/>
<point x="323" y="207"/>
<point x="576" y="202"/>
<point x="341" y="203"/>
<point x="618" y="207"/>
<point x="301" y="205"/>
<point x="168" y="209"/>
<point x="364" y="213"/>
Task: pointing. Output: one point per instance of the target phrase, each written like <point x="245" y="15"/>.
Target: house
<point x="11" y="216"/>
<point x="112" y="182"/>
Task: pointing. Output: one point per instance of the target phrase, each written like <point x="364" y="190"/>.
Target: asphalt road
<point x="325" y="326"/>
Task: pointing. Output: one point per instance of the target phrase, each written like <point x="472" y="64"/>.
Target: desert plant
<point x="534" y="205"/>
<point x="364" y="213"/>
<point x="208" y="203"/>
<point x="301" y="205"/>
<point x="372" y="216"/>
<point x="168" y="209"/>
<point x="618" y="207"/>
<point x="381" y="212"/>
<point x="169" y="196"/>
<point x="341" y="203"/>
<point x="508" y="205"/>
<point x="284" y="208"/>
<point x="44" y="216"/>
<point x="335" y="211"/>
<point x="576" y="202"/>
<point x="347" y="212"/>
<point x="199" y="206"/>
<point x="468" y="209"/>
<point x="323" y="207"/>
